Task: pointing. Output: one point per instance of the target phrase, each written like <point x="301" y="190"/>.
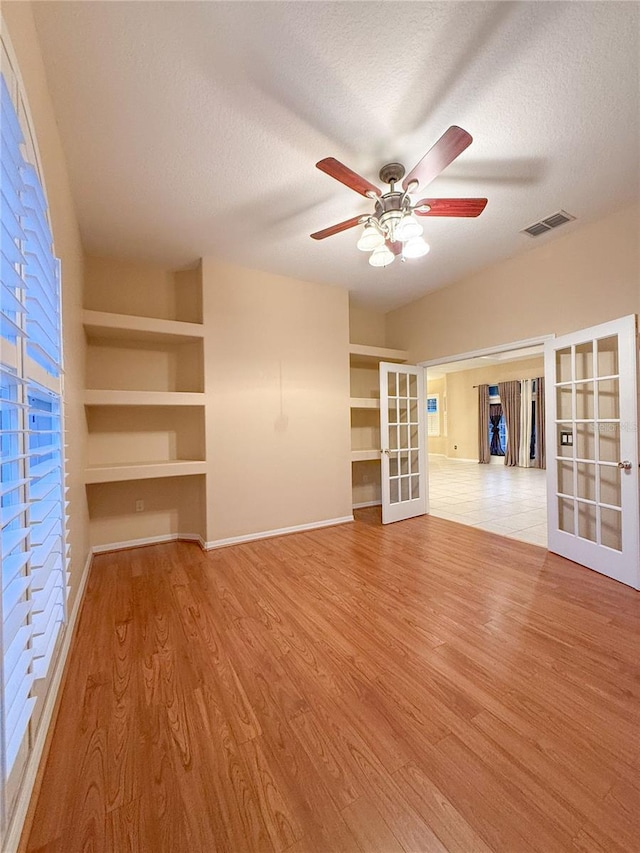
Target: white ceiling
<point x="193" y="128"/>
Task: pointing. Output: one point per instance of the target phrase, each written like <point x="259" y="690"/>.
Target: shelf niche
<point x="124" y="364"/>
<point x="139" y="435"/>
<point x="143" y="290"/>
<point x="173" y="506"/>
<point x="365" y="419"/>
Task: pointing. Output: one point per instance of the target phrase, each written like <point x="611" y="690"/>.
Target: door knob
<point x="626" y="466"/>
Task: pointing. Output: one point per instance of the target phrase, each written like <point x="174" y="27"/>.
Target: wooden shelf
<point x="365" y="455"/>
<point x="143" y="470"/>
<point x="143" y="398"/>
<point x="361" y="354"/>
<point x="365" y="403"/>
<point x="101" y="324"/>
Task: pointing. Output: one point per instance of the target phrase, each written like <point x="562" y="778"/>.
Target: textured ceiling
<point x="193" y="128"/>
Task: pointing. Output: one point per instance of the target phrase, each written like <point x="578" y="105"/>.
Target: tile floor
<point x="508" y="501"/>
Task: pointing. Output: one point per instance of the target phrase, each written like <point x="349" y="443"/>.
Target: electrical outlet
<point x="139" y="506"/>
<point x="455" y="446"/>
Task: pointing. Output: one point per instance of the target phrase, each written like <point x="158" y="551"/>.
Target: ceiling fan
<point x="392" y="229"/>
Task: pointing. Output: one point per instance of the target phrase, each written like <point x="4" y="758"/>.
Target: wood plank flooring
<point x="419" y="687"/>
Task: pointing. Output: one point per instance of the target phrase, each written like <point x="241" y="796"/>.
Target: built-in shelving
<point x="143" y="471"/>
<point x="360" y="353"/>
<point x="102" y="324"/>
<point x="365" y="419"/>
<point x="365" y="455"/>
<point x="365" y="403"/>
<point x="143" y="398"/>
<point x="144" y="401"/>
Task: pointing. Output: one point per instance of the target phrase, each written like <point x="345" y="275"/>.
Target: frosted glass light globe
<point x="382" y="257"/>
<point x="370" y="239"/>
<point x="415" y="248"/>
<point x="407" y="228"/>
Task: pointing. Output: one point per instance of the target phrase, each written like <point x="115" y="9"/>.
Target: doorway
<point x="507" y="500"/>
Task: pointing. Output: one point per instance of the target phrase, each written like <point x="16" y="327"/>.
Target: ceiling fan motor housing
<point x="387" y="203"/>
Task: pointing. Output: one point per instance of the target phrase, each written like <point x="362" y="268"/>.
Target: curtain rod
<point x="516" y="380"/>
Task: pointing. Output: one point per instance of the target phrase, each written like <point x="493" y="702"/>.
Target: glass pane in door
<point x="608" y="399"/>
<point x="608" y="442"/>
<point x="584" y="361"/>
<point x="610" y="485"/>
<point x="607" y="358"/>
<point x="611" y="528"/>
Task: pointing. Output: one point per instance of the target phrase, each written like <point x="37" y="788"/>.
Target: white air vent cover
<point x="547" y="224"/>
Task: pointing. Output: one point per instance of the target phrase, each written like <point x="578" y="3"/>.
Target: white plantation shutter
<point x="32" y="505"/>
<point x="48" y="570"/>
<point x="433" y="415"/>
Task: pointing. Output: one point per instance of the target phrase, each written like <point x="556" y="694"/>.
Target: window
<point x="497" y="424"/>
<point x="433" y="415"/>
<point x="498" y="435"/>
<point x="32" y="498"/>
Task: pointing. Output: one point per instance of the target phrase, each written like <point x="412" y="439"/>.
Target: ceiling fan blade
<point x="450" y="145"/>
<point x="451" y="206"/>
<point x="335" y="169"/>
<point x="336" y="229"/>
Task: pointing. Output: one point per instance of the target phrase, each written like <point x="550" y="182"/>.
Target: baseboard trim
<point x="282" y="531"/>
<point x="219" y="543"/>
<point x="365" y="504"/>
<point x="150" y="540"/>
<point x="31" y="781"/>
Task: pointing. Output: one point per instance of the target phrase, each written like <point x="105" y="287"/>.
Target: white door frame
<point x="494" y="350"/>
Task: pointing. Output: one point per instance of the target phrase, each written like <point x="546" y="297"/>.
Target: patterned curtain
<point x="510" y="398"/>
<point x="495" y="416"/>
<point x="484" y="454"/>
<point x="541" y="455"/>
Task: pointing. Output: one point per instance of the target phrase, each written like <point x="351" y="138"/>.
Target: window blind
<point x="32" y="506"/>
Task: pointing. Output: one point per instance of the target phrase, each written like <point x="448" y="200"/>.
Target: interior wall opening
<point x="486" y="453"/>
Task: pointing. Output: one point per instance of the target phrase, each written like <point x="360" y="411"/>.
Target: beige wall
<point x="23" y="37"/>
<point x="438" y="443"/>
<point x="462" y="401"/>
<point x="366" y="326"/>
<point x="566" y="283"/>
<point x="277" y="376"/>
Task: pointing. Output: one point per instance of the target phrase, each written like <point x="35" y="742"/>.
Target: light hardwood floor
<point x="419" y="687"/>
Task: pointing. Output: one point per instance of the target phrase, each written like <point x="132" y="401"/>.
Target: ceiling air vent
<point x="547" y="224"/>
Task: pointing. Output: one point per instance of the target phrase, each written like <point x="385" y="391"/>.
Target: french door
<point x="402" y="432"/>
<point x="592" y="448"/>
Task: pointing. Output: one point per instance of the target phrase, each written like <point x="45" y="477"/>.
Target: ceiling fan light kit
<point x="393" y="229"/>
